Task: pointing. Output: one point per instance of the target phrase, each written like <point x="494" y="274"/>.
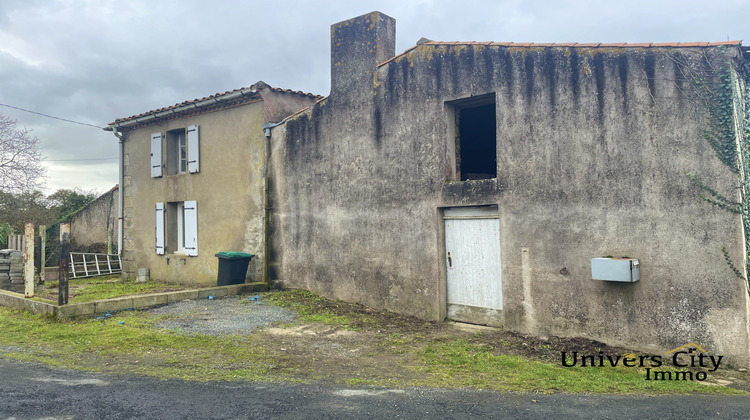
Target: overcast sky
<point x="96" y="60"/>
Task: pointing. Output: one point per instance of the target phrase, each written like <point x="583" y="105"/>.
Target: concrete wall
<point x="592" y="149"/>
<point x="229" y="190"/>
<point x="94" y="228"/>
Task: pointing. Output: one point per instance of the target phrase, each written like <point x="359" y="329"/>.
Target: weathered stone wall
<point x="592" y="149"/>
<point x="94" y="228"/>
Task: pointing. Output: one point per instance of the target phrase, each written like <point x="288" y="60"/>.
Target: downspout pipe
<point x="121" y="186"/>
<point x="266" y="209"/>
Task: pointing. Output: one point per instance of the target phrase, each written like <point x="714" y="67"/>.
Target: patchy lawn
<point x="106" y="287"/>
<point x="328" y="340"/>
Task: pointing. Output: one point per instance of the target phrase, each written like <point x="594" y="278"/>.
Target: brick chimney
<point x="358" y="45"/>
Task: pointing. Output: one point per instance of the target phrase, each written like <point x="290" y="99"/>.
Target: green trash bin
<point x="232" y="267"/>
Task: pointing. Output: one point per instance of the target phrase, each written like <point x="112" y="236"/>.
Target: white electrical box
<point x="615" y="269"/>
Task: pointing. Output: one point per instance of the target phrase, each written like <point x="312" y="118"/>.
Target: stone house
<point x="477" y="181"/>
<point x="193" y="182"/>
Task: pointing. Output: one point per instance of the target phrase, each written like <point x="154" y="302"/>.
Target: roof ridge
<point x="248" y="92"/>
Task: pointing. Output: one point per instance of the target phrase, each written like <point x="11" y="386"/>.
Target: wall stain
<point x="489" y="65"/>
<point x="650" y="75"/>
<point x="575" y="86"/>
<point x="599" y="76"/>
<point x="622" y="68"/>
<point x="528" y="62"/>
<point x="550" y="72"/>
<point x="404" y="75"/>
<point x="507" y="68"/>
<point x="377" y="120"/>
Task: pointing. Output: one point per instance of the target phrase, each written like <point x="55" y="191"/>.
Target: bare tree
<point x="20" y="160"/>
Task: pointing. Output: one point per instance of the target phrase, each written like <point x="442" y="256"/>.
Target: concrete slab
<point x="182" y="295"/>
<point x="75" y="310"/>
<point x="116" y="304"/>
<point x="145" y="301"/>
<point x="212" y="291"/>
<point x="18" y="301"/>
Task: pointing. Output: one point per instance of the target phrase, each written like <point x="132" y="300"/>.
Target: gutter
<point x="178" y="110"/>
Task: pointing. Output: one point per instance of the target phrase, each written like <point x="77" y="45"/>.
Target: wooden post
<point x="37" y="259"/>
<point x="28" y="261"/>
<point x="42" y="251"/>
<point x="62" y="283"/>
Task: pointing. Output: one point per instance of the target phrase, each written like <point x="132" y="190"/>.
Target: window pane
<point x="183" y="153"/>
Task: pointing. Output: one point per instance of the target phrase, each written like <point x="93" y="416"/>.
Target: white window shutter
<point x="193" y="146"/>
<point x="156" y="168"/>
<point x="191" y="228"/>
<point x="159" y="223"/>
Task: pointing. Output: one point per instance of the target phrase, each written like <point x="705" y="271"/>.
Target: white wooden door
<point x="472" y="258"/>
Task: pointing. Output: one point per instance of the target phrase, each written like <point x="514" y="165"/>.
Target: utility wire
<point x="51" y="116"/>
<point x="72" y="160"/>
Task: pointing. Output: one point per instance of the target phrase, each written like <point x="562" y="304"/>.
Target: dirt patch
<point x="356" y="344"/>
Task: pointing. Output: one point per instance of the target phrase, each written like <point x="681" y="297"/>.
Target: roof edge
<point x="737" y="43"/>
<point x="233" y="97"/>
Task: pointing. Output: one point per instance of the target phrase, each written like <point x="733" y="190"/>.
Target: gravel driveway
<point x="221" y="316"/>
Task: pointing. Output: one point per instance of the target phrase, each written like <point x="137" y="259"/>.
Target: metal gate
<point x="85" y="264"/>
<point x="472" y="258"/>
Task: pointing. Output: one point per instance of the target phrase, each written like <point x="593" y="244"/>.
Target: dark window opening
<point x="476" y="141"/>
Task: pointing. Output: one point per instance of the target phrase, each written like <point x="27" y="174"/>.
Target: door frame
<point x="498" y="320"/>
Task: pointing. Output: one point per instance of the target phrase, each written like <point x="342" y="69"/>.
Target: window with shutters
<point x="177" y="230"/>
<point x="182" y="152"/>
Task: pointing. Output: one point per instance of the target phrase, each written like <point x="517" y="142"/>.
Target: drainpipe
<point x="267" y="210"/>
<point x="121" y="187"/>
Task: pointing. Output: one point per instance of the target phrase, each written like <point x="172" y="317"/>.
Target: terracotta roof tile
<point x="246" y="94"/>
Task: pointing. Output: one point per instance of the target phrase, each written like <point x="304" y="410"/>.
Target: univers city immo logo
<point x="696" y="362"/>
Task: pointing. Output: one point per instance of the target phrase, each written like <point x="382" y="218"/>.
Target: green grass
<point x="107" y="287"/>
<point x="96" y="291"/>
<point x="313" y="308"/>
<point x="136" y="346"/>
<point x="458" y="363"/>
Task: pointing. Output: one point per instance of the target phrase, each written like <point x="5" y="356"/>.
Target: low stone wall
<point x="73" y="310"/>
<point x="51" y="273"/>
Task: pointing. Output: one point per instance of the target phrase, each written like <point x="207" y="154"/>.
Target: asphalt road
<point x="31" y="391"/>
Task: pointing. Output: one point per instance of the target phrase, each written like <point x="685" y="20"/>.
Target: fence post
<point x="62" y="283"/>
<point x="28" y="261"/>
<point x="42" y="252"/>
